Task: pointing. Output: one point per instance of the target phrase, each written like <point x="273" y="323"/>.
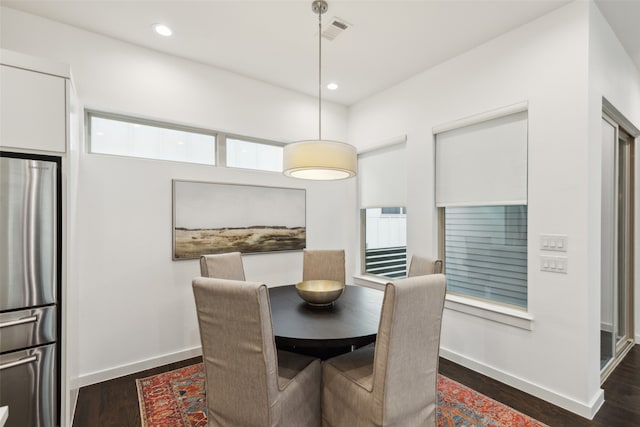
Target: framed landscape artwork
<point x="213" y="218"/>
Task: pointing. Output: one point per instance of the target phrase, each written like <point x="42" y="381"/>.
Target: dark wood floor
<point x="621" y="392"/>
<point x="114" y="403"/>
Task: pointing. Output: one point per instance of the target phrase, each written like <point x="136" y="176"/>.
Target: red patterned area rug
<point x="176" y="399"/>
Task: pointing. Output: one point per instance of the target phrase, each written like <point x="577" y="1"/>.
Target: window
<point x="382" y="190"/>
<point x="385" y="242"/>
<point x="481" y="193"/>
<point x="393" y="211"/>
<point x="486" y="252"/>
<point x="123" y="136"/>
<point x="254" y="155"/>
<point x="133" y="137"/>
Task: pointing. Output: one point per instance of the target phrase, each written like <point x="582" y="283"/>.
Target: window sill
<point x="374" y="282"/>
<point x="486" y="310"/>
<point x="473" y="307"/>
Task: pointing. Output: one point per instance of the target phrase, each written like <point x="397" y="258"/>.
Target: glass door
<point x="616" y="328"/>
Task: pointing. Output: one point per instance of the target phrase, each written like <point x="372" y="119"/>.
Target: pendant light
<point x="318" y="159"/>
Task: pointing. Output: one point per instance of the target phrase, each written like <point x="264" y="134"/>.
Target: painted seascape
<point x="193" y="243"/>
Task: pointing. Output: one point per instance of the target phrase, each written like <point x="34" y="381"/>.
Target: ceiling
<point x="277" y="41"/>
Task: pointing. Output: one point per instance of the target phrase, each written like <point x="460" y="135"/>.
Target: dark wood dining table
<point x="351" y="322"/>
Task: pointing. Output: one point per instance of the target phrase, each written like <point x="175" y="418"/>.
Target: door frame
<point x="621" y="347"/>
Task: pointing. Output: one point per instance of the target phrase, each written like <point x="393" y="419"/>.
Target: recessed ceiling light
<point x="332" y="86"/>
<point x="162" y="29"/>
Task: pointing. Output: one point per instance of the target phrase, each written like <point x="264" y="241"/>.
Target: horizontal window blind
<point x="486" y="252"/>
<point x="382" y="177"/>
<point x="483" y="163"/>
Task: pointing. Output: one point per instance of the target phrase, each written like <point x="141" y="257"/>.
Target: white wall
<point x="546" y="64"/>
<point x="135" y="304"/>
<point x="612" y="75"/>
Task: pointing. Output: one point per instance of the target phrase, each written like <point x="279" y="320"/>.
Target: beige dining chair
<point x="420" y="266"/>
<point x="247" y="381"/>
<point x="222" y="266"/>
<point x="323" y="264"/>
<point x="394" y="382"/>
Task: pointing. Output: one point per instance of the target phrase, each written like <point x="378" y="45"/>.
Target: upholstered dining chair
<point x="323" y="264"/>
<point x="420" y="266"/>
<point x="393" y="383"/>
<point x="222" y="266"/>
<point x="247" y="381"/>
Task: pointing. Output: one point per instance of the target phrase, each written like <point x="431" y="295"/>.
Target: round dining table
<point x="350" y="322"/>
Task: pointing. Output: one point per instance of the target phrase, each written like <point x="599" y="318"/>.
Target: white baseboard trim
<point x="638" y="339"/>
<point x="586" y="410"/>
<point x="120" y="371"/>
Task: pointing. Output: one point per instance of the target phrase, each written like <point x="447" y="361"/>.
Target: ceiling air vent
<point x="334" y="28"/>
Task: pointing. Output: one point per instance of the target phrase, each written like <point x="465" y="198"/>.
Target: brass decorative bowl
<point x="320" y="293"/>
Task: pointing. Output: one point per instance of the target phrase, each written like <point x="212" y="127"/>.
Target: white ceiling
<point x="277" y="41"/>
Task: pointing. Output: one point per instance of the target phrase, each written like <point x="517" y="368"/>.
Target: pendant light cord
<point x="320" y="74"/>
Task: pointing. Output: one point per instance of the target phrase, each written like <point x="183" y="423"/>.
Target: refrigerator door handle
<point x="22" y="321"/>
<point x="18" y="362"/>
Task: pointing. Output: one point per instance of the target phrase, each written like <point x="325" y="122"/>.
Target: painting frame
<point x="218" y="217"/>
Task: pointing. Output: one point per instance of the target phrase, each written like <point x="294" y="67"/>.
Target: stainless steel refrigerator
<point x="30" y="245"/>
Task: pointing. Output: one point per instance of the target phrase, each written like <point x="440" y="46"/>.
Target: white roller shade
<point x="484" y="163"/>
<point x="382" y="176"/>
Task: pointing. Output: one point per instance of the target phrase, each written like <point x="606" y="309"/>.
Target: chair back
<point x="222" y="266"/>
<point x="238" y="350"/>
<point x="407" y="349"/>
<point x="323" y="264"/>
<point x="421" y="266"/>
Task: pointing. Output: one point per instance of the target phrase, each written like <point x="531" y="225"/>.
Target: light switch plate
<point x="554" y="242"/>
<point x="553" y="264"/>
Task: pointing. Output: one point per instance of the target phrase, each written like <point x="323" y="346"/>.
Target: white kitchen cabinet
<point x="33" y="110"/>
<point x="40" y="114"/>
